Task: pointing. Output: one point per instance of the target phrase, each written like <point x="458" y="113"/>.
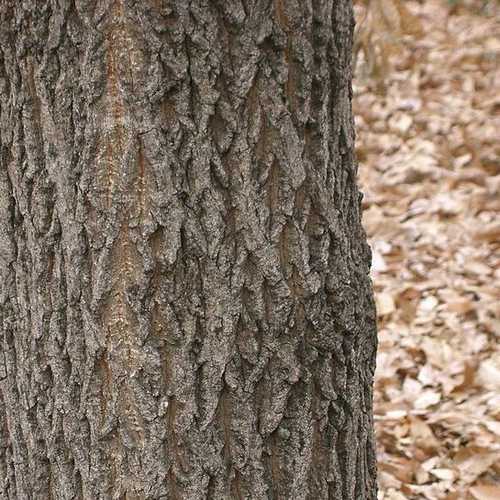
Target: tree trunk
<point x="185" y="303"/>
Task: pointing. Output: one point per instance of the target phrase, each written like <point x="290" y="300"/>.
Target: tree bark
<point x="185" y="303"/>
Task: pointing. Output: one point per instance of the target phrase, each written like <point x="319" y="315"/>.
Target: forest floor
<point x="428" y="145"/>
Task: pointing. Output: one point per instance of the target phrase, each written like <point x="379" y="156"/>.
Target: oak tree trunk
<point x="185" y="303"/>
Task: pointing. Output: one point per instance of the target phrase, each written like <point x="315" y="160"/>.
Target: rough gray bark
<point x="185" y="305"/>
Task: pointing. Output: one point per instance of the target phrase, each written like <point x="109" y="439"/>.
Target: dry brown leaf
<point x="485" y="492"/>
<point x="489" y="373"/>
<point x="401" y="468"/>
<point x="426" y="399"/>
<point x="444" y="474"/>
<point x="491" y="233"/>
<point x="385" y="304"/>
<point x="493" y="426"/>
<point x="473" y="462"/>
<point x="462" y="306"/>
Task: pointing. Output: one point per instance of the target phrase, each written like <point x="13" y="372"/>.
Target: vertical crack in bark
<point x="173" y="448"/>
<point x="275" y="466"/>
<point x="121" y="57"/>
<point x="114" y="147"/>
<point x="290" y="83"/>
<point x="281" y="14"/>
<point x="119" y="318"/>
<point x="36" y="102"/>
<point x="142" y="193"/>
<point x="122" y="268"/>
<point x="225" y="420"/>
<point x="273" y="191"/>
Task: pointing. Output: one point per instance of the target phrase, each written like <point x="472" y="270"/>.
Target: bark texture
<point x="185" y="303"/>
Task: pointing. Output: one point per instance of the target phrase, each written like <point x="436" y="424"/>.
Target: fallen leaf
<point x="385" y="304"/>
<point x="485" y="492"/>
<point x="444" y="474"/>
<point x="426" y="399"/>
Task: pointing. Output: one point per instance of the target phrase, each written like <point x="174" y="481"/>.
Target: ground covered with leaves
<point x="427" y="108"/>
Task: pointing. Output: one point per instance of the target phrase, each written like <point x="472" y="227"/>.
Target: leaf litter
<point x="427" y="112"/>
